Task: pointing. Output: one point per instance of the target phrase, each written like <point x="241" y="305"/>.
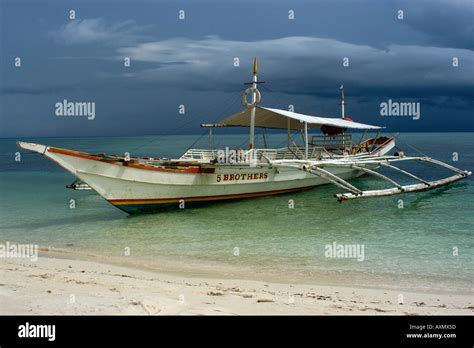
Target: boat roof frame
<point x="282" y="119"/>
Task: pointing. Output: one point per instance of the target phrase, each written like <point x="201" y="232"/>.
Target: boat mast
<point x="342" y="106"/>
<point x="254" y="103"/>
<point x="342" y="99"/>
<point x="211" y="142"/>
<point x="306" y="140"/>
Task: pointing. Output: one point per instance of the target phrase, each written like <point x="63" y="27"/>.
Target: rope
<point x="199" y="138"/>
<point x="159" y="136"/>
<point x="397" y="136"/>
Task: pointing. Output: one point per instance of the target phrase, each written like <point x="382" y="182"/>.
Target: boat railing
<point x="333" y="142"/>
<point x="246" y="156"/>
<point x="199" y="154"/>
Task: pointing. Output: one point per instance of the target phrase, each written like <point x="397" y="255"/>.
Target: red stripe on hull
<point x="184" y="169"/>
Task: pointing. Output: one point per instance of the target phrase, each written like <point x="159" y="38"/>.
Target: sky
<point x="190" y="62"/>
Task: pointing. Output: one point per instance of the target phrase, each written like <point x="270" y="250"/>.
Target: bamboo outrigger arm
<point x="373" y="172"/>
<point x="334" y="179"/>
<point x="423" y="186"/>
<point x="405" y="172"/>
<point x="403" y="189"/>
<point x="315" y="168"/>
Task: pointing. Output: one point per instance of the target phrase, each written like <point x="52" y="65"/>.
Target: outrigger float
<point x="137" y="185"/>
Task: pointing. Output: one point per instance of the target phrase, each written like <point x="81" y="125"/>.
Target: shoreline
<point x="64" y="285"/>
<point x="339" y="278"/>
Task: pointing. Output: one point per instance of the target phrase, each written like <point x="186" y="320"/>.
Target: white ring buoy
<point x="245" y="95"/>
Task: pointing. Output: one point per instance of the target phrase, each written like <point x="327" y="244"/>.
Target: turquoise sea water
<point x="260" y="238"/>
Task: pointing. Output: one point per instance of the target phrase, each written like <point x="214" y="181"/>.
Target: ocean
<point x="413" y="241"/>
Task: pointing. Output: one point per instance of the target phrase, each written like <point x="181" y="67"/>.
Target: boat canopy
<point x="282" y="119"/>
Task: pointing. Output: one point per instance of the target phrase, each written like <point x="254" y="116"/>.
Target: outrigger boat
<point x="201" y="175"/>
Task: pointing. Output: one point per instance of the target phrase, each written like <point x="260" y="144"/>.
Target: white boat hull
<point x="140" y="190"/>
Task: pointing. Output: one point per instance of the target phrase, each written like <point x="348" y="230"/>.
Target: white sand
<point x="65" y="286"/>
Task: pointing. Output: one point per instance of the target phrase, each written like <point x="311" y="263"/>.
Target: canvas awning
<point x="279" y="119"/>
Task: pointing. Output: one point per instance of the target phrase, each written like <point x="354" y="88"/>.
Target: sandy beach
<point x="54" y="285"/>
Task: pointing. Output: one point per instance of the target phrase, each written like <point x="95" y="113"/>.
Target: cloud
<point x="446" y="23"/>
<point x="98" y="30"/>
<point x="28" y="89"/>
<point x="301" y="64"/>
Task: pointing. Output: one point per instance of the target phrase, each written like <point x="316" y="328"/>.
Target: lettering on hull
<point x="241" y="177"/>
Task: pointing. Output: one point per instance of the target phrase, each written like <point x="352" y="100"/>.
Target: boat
<point x="199" y="176"/>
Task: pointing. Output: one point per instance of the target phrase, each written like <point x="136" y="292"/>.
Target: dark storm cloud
<point x="302" y="65"/>
<point x="98" y="30"/>
<point x="191" y="62"/>
<point x="445" y="23"/>
<point x="43" y="90"/>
